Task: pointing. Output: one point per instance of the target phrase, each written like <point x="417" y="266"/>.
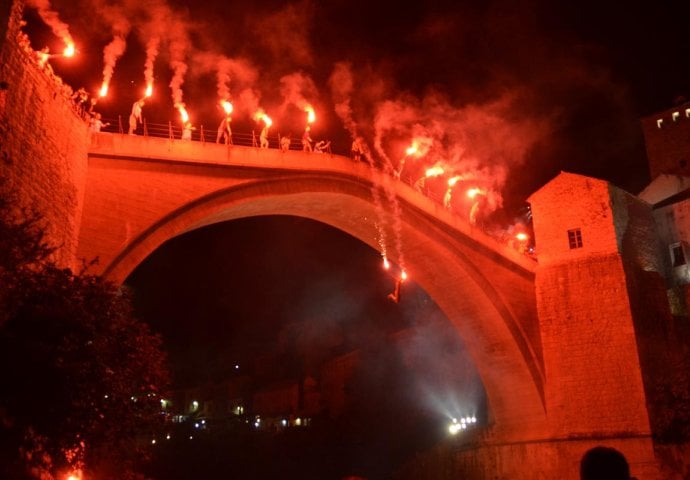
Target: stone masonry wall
<point x="43" y="140"/>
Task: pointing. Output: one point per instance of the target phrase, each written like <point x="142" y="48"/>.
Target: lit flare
<point x="386" y="263"/>
<point x="522" y="236"/>
<point x="412" y="149"/>
<point x="149" y="90"/>
<point x="452" y="181"/>
<point x="70" y="50"/>
<point x="473" y="192"/>
<point x="227" y="106"/>
<point x="104" y="90"/>
<point x="434" y="172"/>
<point x="183" y="112"/>
<point x="311" y="115"/>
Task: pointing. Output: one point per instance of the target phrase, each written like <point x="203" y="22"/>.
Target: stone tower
<point x="602" y="311"/>
<point x="667" y="138"/>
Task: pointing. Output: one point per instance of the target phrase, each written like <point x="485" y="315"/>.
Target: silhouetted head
<point x="604" y="463"/>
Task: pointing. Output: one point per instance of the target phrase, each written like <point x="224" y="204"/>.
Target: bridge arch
<point x="486" y="291"/>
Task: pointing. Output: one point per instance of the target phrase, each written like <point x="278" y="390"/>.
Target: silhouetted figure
<point x="395" y="296"/>
<point x="604" y="463"/>
<point x="224" y="131"/>
<point x="285" y="143"/>
<point x="135" y="116"/>
<point x="187" y="131"/>
<point x="306" y="140"/>
<point x="322" y="146"/>
<point x="263" y="137"/>
<point x="97" y="124"/>
<point x="357" y="148"/>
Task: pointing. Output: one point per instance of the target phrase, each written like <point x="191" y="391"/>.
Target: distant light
<point x="298" y="422"/>
<point x="237" y="367"/>
<point x="284" y="422"/>
<point x="195" y="405"/>
<point x="190" y="437"/>
<point x="167" y="437"/>
<point x="196" y="425"/>
<point x="203" y="422"/>
<point x="454" y="427"/>
<point x="153" y="441"/>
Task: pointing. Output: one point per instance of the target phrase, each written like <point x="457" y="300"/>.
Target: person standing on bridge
<point x="306" y="140"/>
<point x="135" y="116"/>
<point x="97" y="124"/>
<point x="224" y="131"/>
<point x="357" y="149"/>
<point x="285" y="143"/>
<point x="263" y="137"/>
<point x="187" y="131"/>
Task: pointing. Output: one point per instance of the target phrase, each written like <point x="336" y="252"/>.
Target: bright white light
<point x="203" y="422"/>
<point x="153" y="441"/>
<point x="196" y="425"/>
<point x="190" y="437"/>
<point x="237" y="367"/>
<point x="195" y="405"/>
<point x="167" y="437"/>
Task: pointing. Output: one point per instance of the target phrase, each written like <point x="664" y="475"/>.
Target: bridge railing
<point x="173" y="131"/>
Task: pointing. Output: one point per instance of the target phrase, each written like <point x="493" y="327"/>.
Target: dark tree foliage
<point x="80" y="379"/>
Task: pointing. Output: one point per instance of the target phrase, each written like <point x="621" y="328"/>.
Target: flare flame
<point x="311" y="115"/>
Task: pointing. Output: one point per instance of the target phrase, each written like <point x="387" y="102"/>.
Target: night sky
<point x="515" y="90"/>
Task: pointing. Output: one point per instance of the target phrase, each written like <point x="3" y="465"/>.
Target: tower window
<point x="575" y="238"/>
<point x="677" y="255"/>
<point x="659" y="122"/>
<point x="675" y="116"/>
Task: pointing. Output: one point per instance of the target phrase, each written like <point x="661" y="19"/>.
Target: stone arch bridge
<point x="142" y="191"/>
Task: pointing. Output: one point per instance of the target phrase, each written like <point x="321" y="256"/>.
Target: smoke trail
<point x="342" y="85"/>
<point x="178" y="46"/>
<point x="112" y="52"/>
<point x="151" y="53"/>
<point x="52" y="19"/>
<point x="294" y="89"/>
